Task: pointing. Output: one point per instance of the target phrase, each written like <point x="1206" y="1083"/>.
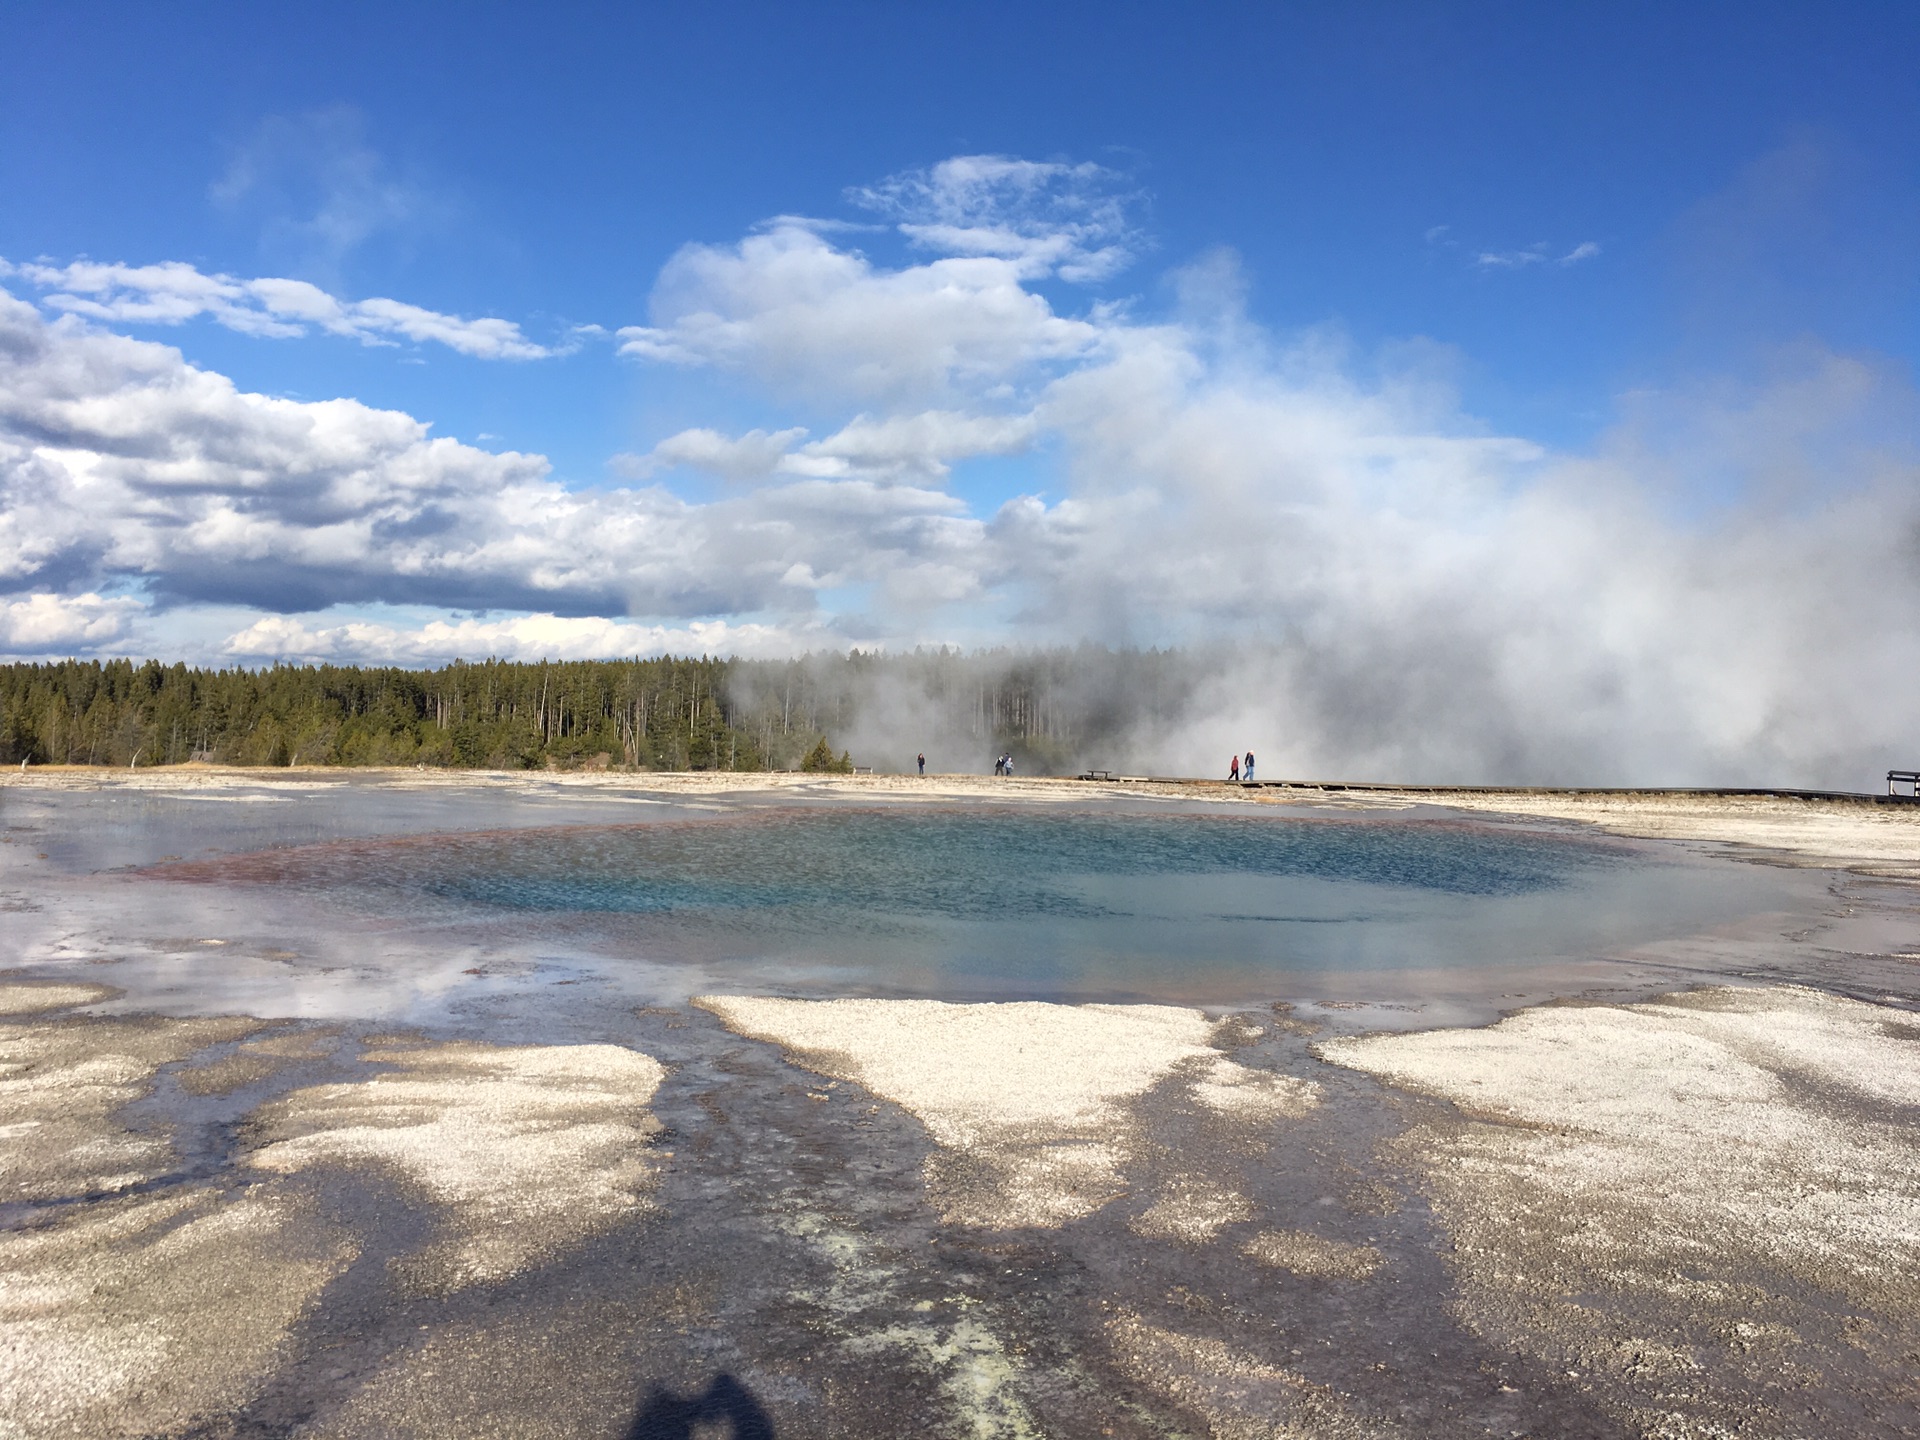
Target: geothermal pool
<point x="450" y="896"/>
<point x="485" y="1105"/>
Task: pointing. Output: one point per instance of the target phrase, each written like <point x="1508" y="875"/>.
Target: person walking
<point x="923" y="762"/>
<point x="1233" y="769"/>
<point x="1246" y="771"/>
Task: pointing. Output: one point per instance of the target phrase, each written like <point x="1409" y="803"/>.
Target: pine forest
<point x="1052" y="709"/>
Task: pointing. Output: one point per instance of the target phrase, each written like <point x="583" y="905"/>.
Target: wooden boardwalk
<point x="1721" y="791"/>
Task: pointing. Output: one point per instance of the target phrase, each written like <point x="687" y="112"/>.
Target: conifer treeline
<point x="665" y="714"/>
<point x="662" y="714"/>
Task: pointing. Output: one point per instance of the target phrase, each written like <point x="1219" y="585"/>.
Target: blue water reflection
<point x="992" y="866"/>
<point x="1010" y="901"/>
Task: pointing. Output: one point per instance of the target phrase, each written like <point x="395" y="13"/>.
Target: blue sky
<point x="551" y="162"/>
<point x="1382" y="270"/>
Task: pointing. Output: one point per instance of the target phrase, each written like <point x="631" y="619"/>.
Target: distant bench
<point x="1909" y="778"/>
<point x="1096" y="775"/>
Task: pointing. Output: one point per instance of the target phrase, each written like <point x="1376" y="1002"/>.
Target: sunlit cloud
<point x="1399" y="590"/>
<point x="172" y="292"/>
<point x="519" y="637"/>
<point x="792" y="310"/>
<point x="44" y="624"/>
<point x="1049" y="218"/>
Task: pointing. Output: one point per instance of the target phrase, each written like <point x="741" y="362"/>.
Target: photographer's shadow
<point x="666" y="1416"/>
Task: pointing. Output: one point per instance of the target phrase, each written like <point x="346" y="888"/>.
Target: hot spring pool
<point x="964" y="900"/>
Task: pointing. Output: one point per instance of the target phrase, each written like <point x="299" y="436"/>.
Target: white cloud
<point x="917" y="447"/>
<point x="1048" y="218"/>
<point x="793" y="311"/>
<point x="1512" y="259"/>
<point x="921" y="446"/>
<point x="1401" y="594"/>
<point x="171" y="293"/>
<point x="44" y="624"/>
<point x="752" y="456"/>
<point x="1411" y="595"/>
<point x="119" y="461"/>
<point x="521" y="637"/>
<point x="1536" y="254"/>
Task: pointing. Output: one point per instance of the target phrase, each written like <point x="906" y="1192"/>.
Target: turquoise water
<point x="972" y="865"/>
<point x="983" y="901"/>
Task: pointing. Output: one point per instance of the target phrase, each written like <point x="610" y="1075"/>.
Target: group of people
<point x="1003" y="765"/>
<point x="1240" y="770"/>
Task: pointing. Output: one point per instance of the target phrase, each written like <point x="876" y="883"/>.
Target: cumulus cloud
<point x="1719" y="591"/>
<point x="120" y="461"/>
<point x="1394" y="590"/>
<point x="44" y="624"/>
<point x="794" y="311"/>
<point x="752" y="456"/>
<point x="919" y="447"/>
<point x="171" y="293"/>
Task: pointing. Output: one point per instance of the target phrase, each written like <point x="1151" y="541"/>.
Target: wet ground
<point x="533" y="1204"/>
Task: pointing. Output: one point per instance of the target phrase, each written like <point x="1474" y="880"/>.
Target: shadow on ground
<point x="666" y="1416"/>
